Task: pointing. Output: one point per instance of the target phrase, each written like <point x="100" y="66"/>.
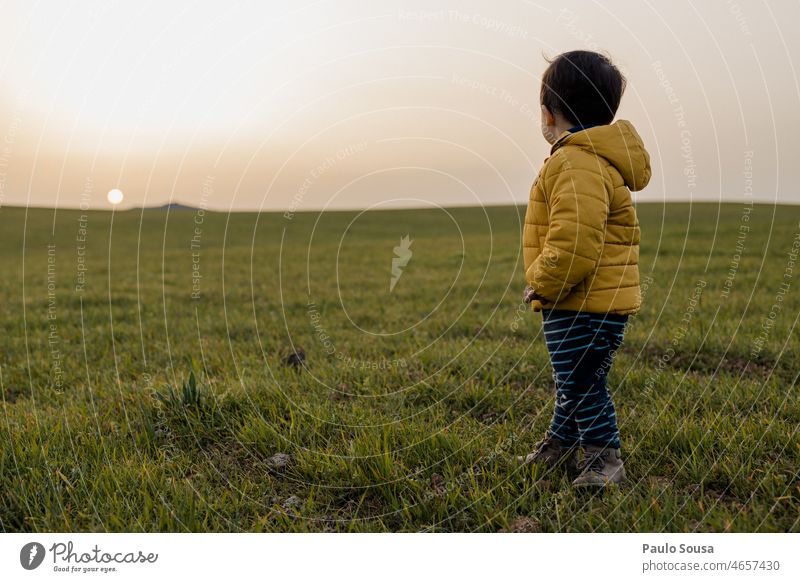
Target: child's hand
<point x="528" y="295"/>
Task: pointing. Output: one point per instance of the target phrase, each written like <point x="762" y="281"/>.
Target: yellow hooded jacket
<point x="581" y="236"/>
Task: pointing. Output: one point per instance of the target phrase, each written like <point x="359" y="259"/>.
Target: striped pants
<point x="582" y="347"/>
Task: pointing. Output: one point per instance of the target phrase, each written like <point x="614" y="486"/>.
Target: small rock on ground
<point x="295" y="359"/>
<point x="291" y="502"/>
<point x="522" y="525"/>
<point x="279" y="460"/>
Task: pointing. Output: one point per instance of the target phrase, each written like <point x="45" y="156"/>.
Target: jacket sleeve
<point x="578" y="201"/>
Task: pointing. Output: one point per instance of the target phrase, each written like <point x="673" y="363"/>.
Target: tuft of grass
<point x="188" y="397"/>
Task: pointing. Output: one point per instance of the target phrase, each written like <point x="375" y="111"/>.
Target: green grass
<point x="165" y="410"/>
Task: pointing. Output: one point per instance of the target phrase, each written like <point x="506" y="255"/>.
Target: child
<point x="581" y="250"/>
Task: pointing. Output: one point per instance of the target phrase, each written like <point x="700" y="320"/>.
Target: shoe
<point x="601" y="466"/>
<point x="551" y="452"/>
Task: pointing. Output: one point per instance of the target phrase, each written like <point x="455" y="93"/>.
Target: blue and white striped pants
<point x="582" y="347"/>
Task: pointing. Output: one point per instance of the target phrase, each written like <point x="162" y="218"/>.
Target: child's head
<point x="579" y="88"/>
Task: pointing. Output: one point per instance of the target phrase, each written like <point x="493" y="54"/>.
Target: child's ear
<point x="547" y="117"/>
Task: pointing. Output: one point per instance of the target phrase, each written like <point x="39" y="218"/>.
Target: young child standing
<point x="581" y="251"/>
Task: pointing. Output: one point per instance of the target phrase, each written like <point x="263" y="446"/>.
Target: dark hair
<point x="583" y="86"/>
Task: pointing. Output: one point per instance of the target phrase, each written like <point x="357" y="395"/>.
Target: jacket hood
<point x="620" y="144"/>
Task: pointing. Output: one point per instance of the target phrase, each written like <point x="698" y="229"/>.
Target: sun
<point x="115" y="196"/>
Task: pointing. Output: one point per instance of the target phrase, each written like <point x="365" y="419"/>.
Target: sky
<point x="257" y="105"/>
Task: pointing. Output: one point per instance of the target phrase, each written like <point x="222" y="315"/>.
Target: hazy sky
<point x="257" y="105"/>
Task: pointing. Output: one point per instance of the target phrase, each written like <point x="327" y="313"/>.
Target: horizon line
<point x="182" y="207"/>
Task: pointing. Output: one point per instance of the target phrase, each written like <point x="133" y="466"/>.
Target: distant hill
<point x="172" y="206"/>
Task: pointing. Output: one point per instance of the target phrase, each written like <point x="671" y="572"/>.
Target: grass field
<point x="144" y="383"/>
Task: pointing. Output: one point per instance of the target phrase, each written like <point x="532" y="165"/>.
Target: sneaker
<point x="551" y="452"/>
<point x="601" y="466"/>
